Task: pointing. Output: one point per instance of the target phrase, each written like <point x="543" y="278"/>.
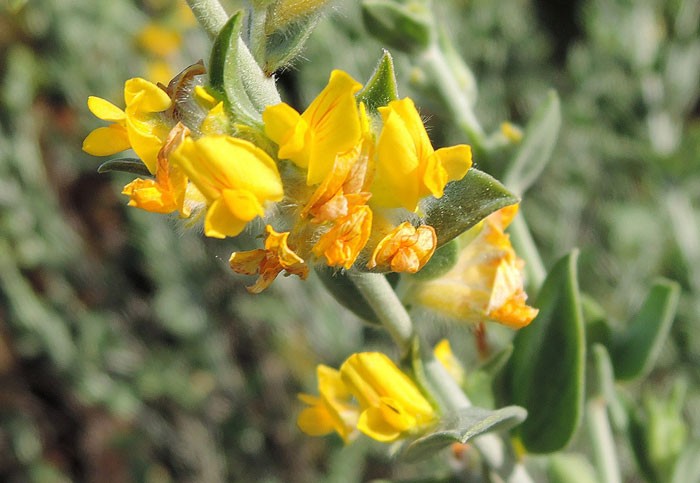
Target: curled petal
<point x="347" y="237"/>
<point x="105" y="110"/>
<point x="405" y="249"/>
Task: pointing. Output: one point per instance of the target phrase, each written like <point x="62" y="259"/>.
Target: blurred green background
<point x="129" y="352"/>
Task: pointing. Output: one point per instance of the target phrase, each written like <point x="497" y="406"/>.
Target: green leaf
<point x="635" y="350"/>
<point x="465" y="203"/>
<point x="536" y="147"/>
<point x="234" y="72"/>
<point x="461" y="427"/>
<point x="381" y="88"/>
<point x="345" y="292"/>
<point x="547" y="366"/>
<point x="125" y="165"/>
<point x="570" y="468"/>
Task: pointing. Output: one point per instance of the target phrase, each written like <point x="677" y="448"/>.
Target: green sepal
<point x="125" y="165"/>
<point x="234" y="73"/>
<point x="381" y="88"/>
<point x="439" y="264"/>
<point x="570" y="468"/>
<point x="282" y="46"/>
<point x="346" y="293"/>
<point x="635" y="350"/>
<point x="464" y="204"/>
<point x="406" y="25"/>
<point x="548" y="363"/>
<point x="536" y="146"/>
<point x="461" y="427"/>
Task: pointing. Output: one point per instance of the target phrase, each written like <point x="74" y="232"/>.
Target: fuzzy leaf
<point x="282" y="46"/>
<point x="461" y="427"/>
<point x="635" y="350"/>
<point x="547" y="366"/>
<point x="125" y="165"/>
<point x="536" y="147"/>
<point x="464" y="204"/>
<point x="234" y="72"/>
<point x="381" y="88"/>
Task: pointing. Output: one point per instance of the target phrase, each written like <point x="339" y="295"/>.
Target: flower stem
<point x="382" y="299"/>
<point x="210" y="15"/>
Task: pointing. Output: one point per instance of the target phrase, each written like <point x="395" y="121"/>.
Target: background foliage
<point x="128" y="352"/>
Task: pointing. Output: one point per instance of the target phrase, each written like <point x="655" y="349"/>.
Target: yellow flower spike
<point x="235" y="177"/>
<point x="268" y="263"/>
<point x="332" y="410"/>
<point x="487" y="281"/>
<point x="443" y="353"/>
<point x="407" y="166"/>
<point x="347" y="237"/>
<point x="330" y="126"/>
<point x="405" y="249"/>
<point x="141" y="125"/>
<point x="166" y="193"/>
<point x="391" y="403"/>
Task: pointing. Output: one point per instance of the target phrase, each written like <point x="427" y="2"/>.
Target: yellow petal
<point x="334" y="121"/>
<point x="248" y="262"/>
<point x="148" y="96"/>
<point x="285" y="127"/>
<point x="347" y="237"/>
<point x="373" y="424"/>
<point x="405" y="249"/>
<point x="396" y="182"/>
<point x="220" y="222"/>
<point x="105" y="141"/>
<point x="215" y="163"/>
<point x="105" y="110"/>
<point x="315" y="421"/>
<point x="150" y="196"/>
<point x="455" y="161"/>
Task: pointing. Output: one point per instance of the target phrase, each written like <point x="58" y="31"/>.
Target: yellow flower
<point x="405" y="249"/>
<point x="141" y="125"/>
<point x="347" y="237"/>
<point x="391" y="404"/>
<point x="332" y="410"/>
<point x="329" y="127"/>
<point x="235" y="177"/>
<point x="444" y="355"/>
<point x="159" y="40"/>
<point x="407" y="167"/>
<point x="486" y="283"/>
<point x="268" y="263"/>
<point x="166" y="193"/>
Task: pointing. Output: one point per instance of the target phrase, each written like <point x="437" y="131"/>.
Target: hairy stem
<point x="210" y="15"/>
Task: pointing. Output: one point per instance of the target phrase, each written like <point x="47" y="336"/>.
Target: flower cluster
<point x="370" y="394"/>
<point x="343" y="181"/>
